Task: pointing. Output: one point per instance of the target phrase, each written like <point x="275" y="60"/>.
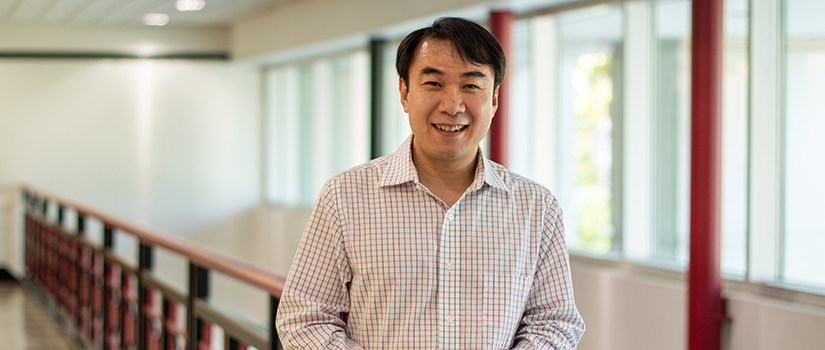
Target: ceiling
<point x="126" y="13"/>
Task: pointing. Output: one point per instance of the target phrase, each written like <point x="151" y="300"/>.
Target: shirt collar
<point x="400" y="169"/>
<point x="491" y="173"/>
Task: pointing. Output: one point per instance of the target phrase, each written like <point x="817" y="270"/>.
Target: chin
<point x="451" y="155"/>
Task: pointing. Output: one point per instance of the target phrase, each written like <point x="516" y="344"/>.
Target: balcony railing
<point x="110" y="303"/>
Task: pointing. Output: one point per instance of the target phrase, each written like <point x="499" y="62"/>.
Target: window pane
<point x="317" y="124"/>
<point x="590" y="42"/>
<point x="671" y="131"/>
<point x="520" y="80"/>
<point x="532" y="69"/>
<point x="804" y="189"/>
<point x="735" y="138"/>
<point x="305" y="147"/>
<point x="281" y="139"/>
<point x="395" y="127"/>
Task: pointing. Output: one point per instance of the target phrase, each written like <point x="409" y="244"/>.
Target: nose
<point x="452" y="102"/>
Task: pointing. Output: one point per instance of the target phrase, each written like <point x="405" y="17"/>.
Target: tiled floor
<point x="25" y="324"/>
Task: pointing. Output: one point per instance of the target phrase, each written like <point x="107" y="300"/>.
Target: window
<point x="735" y="139"/>
<point x="588" y="69"/>
<point x="564" y="73"/>
<point x="606" y="90"/>
<point x="670" y="200"/>
<point x="317" y="118"/>
<point x="804" y="125"/>
<point x="395" y="126"/>
<point x="520" y="70"/>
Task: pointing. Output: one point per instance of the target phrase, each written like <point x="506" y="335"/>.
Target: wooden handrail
<point x="112" y="304"/>
<point x="200" y="255"/>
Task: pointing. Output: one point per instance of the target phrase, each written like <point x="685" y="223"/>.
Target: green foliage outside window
<point x="593" y="88"/>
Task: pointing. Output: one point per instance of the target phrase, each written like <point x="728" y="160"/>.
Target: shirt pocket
<point x="505" y="297"/>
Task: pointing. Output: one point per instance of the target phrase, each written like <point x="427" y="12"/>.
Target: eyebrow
<point x="469" y="74"/>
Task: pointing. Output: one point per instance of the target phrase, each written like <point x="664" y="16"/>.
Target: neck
<point x="446" y="179"/>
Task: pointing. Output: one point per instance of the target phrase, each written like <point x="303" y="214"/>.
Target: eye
<point x="432" y="83"/>
<point x="471" y="86"/>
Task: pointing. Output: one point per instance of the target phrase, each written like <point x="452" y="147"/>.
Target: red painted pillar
<point x="500" y="23"/>
<point x="705" y="306"/>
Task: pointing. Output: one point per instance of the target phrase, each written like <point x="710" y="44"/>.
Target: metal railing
<point x="109" y="303"/>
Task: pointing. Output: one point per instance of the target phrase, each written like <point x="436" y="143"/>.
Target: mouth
<point x="449" y="128"/>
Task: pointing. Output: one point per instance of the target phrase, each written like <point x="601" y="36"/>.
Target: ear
<point x="404" y="91"/>
<point x="495" y="100"/>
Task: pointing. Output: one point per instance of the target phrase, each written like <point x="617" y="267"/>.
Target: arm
<point x="551" y="320"/>
<point x="315" y="301"/>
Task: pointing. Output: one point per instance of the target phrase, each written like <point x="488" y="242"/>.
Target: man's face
<point x="450" y="102"/>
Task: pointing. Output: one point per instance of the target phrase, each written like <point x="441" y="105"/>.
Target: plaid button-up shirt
<point x="385" y="264"/>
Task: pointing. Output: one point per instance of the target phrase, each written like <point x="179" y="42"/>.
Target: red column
<point x="500" y="23"/>
<point x="705" y="306"/>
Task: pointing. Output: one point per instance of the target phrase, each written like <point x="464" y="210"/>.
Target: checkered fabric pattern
<point x="385" y="264"/>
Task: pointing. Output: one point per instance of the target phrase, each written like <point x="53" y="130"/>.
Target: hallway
<point x="25" y="324"/>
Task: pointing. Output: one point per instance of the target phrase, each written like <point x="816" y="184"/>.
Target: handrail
<point x="100" y="296"/>
<point x="203" y="256"/>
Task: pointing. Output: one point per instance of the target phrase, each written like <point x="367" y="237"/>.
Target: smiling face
<point x="450" y="102"/>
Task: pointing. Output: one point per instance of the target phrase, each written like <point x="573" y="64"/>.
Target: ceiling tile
<point x="126" y="13"/>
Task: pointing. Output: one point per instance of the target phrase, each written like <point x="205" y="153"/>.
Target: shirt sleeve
<point x="315" y="302"/>
<point x="551" y="320"/>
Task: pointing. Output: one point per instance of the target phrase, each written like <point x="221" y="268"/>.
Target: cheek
<point x="420" y="103"/>
<point x="484" y="108"/>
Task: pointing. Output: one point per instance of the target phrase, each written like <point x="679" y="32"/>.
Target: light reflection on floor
<point x="25" y="324"/>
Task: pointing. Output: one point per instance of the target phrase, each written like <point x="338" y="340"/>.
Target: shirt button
<point x="450" y="266"/>
<point x="450" y="217"/>
<point x="450" y="319"/>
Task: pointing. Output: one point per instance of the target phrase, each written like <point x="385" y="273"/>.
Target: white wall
<point x="11" y="254"/>
<point x="169" y="145"/>
<point x="763" y="323"/>
<point x="627" y="307"/>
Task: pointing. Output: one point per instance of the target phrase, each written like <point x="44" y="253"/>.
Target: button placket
<point x="449" y="280"/>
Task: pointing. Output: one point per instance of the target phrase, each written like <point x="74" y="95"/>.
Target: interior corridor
<point x="25" y="324"/>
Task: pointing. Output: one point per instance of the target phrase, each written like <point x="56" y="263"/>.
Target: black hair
<point x="473" y="43"/>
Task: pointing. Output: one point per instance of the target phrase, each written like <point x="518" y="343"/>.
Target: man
<point x="434" y="246"/>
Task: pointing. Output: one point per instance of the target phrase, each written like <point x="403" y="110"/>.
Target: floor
<point x="25" y="324"/>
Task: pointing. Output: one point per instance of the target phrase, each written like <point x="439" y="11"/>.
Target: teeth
<point x="450" y="128"/>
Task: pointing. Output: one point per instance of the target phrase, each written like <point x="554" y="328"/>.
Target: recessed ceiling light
<point x="190" y="5"/>
<point x="156" y="19"/>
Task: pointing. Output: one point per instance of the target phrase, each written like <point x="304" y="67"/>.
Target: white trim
<point x="637" y="140"/>
<point x="765" y="204"/>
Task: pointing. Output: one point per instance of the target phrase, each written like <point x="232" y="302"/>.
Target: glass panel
<point x="589" y="47"/>
<point x="804" y="189"/>
<point x="671" y="132"/>
<point x="282" y="139"/>
<point x="735" y="139"/>
<point x="533" y="118"/>
<point x="520" y="80"/>
<point x="395" y="127"/>
<point x="317" y="124"/>
<point x="305" y="148"/>
<point x="636" y="144"/>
